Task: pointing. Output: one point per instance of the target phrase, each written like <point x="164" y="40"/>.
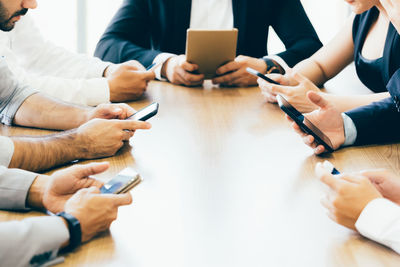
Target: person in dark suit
<point x="369" y="39"/>
<point x="155" y="31"/>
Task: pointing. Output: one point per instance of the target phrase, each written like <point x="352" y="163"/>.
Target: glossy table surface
<point x="226" y="183"/>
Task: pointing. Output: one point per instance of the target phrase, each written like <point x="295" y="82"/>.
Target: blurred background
<point x="78" y="24"/>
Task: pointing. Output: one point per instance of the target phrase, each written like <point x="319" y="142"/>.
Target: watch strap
<point x="75" y="232"/>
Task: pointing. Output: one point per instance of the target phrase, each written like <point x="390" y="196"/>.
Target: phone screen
<point x="304" y="123"/>
<point x="145" y="113"/>
<point x="123" y="180"/>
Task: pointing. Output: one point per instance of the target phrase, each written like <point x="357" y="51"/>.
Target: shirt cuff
<point x="7" y="150"/>
<point x="98" y="69"/>
<point x="14" y="188"/>
<point x="377" y="221"/>
<point x="350" y="130"/>
<point x="161" y="58"/>
<point x="280" y="61"/>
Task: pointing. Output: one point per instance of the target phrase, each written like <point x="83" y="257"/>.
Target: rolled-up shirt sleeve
<point x="14" y="188"/>
<point x="12" y="94"/>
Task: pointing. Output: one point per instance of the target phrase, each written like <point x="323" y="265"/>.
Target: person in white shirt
<point x="366" y="201"/>
<point x="60" y="73"/>
<point x="155" y="31"/>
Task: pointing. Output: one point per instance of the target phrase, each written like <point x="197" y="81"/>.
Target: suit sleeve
<point x="128" y="35"/>
<point x="376" y="123"/>
<point x="31" y="242"/>
<point x="296" y="32"/>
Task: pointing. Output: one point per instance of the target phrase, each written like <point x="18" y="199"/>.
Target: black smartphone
<point x="122" y="182"/>
<point x="304" y="123"/>
<point x="259" y="74"/>
<point x="145" y="113"/>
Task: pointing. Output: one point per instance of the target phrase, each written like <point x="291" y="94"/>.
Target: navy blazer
<point x="142" y="29"/>
<point x="379" y="122"/>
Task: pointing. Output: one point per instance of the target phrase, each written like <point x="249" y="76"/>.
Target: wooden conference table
<point x="226" y="183"/>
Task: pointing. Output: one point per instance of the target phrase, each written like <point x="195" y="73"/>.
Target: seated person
<point x="71" y="194"/>
<point x="369" y="39"/>
<point x="100" y="131"/>
<point x="60" y="73"/>
<point x="155" y="31"/>
<point x="367" y="202"/>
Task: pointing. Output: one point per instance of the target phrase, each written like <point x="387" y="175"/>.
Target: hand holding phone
<point x="304" y="123"/>
<point x="122" y="183"/>
<point x="145" y="113"/>
<point x="260" y="75"/>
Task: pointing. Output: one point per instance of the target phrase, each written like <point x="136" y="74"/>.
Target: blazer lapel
<point x="239" y="19"/>
<point x="387" y="53"/>
<point x="182" y="10"/>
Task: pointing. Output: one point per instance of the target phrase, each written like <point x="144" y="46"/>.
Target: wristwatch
<point x="273" y="67"/>
<point x="75" y="232"/>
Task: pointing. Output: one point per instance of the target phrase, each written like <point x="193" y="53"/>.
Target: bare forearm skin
<point x="44" y="152"/>
<point x="40" y="111"/>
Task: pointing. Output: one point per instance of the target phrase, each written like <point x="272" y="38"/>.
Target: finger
<point x="327" y="204"/>
<point x="355" y="179"/>
<point x="270" y="98"/>
<point x="298" y="77"/>
<point x="298" y="130"/>
<point x="84" y="171"/>
<point x="376" y="176"/>
<point x="190" y="79"/>
<point x="147" y="75"/>
<point x="309" y="140"/>
<point x="95" y="182"/>
<point x="317" y="99"/>
<point x="126" y="135"/>
<point x="117" y="199"/>
<point x="228" y="67"/>
<point x="326" y="177"/>
<point x="280" y="89"/>
<point x="132" y="125"/>
<point x="127" y="111"/>
<point x="189" y="66"/>
<point x="93" y="190"/>
<point x="319" y="150"/>
<point x="227" y="79"/>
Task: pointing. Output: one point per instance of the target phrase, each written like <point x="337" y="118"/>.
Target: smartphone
<point x="304" y="123"/>
<point x="259" y="74"/>
<point x="329" y="166"/>
<point x="145" y="113"/>
<point x="122" y="183"/>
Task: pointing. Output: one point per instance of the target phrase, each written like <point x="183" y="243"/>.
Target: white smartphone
<point x="145" y="113"/>
<point x="122" y="182"/>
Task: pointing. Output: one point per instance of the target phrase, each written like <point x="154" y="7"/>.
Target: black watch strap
<point x="75" y="233"/>
<point x="273" y="67"/>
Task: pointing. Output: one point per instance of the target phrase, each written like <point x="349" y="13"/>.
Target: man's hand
<point x="95" y="211"/>
<point x="328" y="119"/>
<point x="64" y="184"/>
<point x="349" y="195"/>
<point x="178" y="71"/>
<point x="387" y="183"/>
<point x="103" y="138"/>
<point x="127" y="81"/>
<point x="110" y="111"/>
<point x="294" y="87"/>
<point x="234" y="73"/>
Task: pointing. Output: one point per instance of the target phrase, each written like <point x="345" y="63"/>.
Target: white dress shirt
<point x="51" y="69"/>
<point x="209" y="15"/>
<point x="380" y="221"/>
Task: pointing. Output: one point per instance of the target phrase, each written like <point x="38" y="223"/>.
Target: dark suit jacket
<point x="142" y="29"/>
<point x="379" y="122"/>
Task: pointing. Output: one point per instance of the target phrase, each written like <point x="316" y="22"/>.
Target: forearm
<point x="345" y="102"/>
<point x="40" y="111"/>
<point x="313" y="70"/>
<point x="44" y="152"/>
